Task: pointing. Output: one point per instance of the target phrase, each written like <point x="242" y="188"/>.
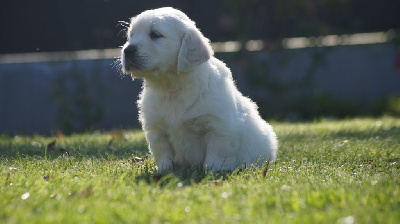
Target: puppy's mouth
<point x="131" y="59"/>
<point x="132" y="64"/>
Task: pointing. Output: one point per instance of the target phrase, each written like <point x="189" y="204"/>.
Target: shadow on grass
<point x="53" y="149"/>
<point x="132" y="153"/>
<point x="128" y="150"/>
<point x="186" y="177"/>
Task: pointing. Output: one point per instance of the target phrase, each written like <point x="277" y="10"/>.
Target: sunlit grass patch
<point x="342" y="171"/>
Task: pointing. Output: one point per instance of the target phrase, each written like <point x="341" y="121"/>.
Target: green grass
<point x="343" y="171"/>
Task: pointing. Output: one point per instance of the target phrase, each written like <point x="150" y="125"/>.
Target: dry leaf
<point x="60" y="134"/>
<point x="117" y="135"/>
<point x="266" y="170"/>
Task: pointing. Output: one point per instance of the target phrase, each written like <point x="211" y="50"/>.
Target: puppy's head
<point x="163" y="41"/>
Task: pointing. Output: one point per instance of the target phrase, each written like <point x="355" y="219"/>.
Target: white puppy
<point x="190" y="109"/>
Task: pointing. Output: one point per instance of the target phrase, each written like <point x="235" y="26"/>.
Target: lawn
<point x="341" y="171"/>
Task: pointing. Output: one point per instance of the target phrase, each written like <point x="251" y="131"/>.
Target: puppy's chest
<point x="171" y="114"/>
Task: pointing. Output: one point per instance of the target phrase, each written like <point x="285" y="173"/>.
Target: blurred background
<point x="298" y="59"/>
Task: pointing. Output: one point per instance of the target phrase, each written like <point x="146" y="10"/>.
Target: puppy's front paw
<point x="219" y="164"/>
<point x="165" y="165"/>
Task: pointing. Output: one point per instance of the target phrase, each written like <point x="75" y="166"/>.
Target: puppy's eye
<point x="155" y="35"/>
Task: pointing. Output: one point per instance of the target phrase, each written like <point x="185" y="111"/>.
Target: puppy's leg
<point x="161" y="149"/>
<point x="221" y="153"/>
<point x="188" y="148"/>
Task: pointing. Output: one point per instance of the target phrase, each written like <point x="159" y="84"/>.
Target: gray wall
<point x="37" y="97"/>
<point x="76" y="95"/>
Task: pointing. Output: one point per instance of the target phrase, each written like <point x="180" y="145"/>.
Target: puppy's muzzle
<point x="132" y="61"/>
<point x="130" y="51"/>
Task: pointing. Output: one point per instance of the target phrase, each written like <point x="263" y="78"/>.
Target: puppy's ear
<point x="195" y="50"/>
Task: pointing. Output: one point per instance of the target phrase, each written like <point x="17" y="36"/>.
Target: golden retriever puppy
<point x="191" y="112"/>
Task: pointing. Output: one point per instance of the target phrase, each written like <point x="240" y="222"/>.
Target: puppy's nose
<point x="130" y="50"/>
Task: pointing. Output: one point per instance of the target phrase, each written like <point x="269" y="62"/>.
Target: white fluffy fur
<point x="190" y="109"/>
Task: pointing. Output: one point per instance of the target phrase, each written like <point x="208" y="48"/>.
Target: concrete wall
<point x="31" y="99"/>
<point x="76" y="95"/>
